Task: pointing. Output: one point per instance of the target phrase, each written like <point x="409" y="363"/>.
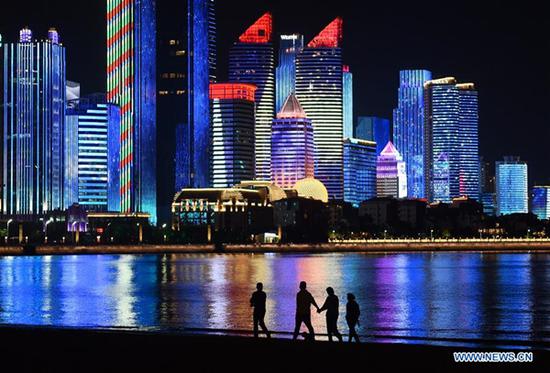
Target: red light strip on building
<point x="330" y="37"/>
<point x="260" y="32"/>
<point x="232" y="91"/>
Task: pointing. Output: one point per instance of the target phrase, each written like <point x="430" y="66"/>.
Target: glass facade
<point x="232" y="151"/>
<point x="408" y="127"/>
<point x="451" y="141"/>
<point x="292" y="148"/>
<point x="511" y="186"/>
<point x="347" y="85"/>
<point x="374" y="129"/>
<point x="285" y="74"/>
<point x="131" y="84"/>
<point x="540" y="204"/>
<point x="252" y="60"/>
<point x="391" y="174"/>
<point x="92" y="155"/>
<point x="34" y="99"/>
<point x="319" y="89"/>
<point x="359" y="170"/>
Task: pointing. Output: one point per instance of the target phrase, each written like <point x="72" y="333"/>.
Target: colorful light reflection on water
<point x="471" y="296"/>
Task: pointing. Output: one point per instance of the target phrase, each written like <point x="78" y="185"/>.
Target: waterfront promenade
<point x="368" y="247"/>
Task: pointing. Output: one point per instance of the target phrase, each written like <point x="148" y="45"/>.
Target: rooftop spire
<point x="260" y="32"/>
<point x="291" y="109"/>
<point x="331" y="36"/>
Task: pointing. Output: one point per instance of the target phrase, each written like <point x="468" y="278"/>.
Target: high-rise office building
<point x="251" y="60"/>
<point x="34" y="99"/>
<point x="285" y="73"/>
<point x="319" y="89"/>
<point x="201" y="72"/>
<point x="92" y="154"/>
<point x="511" y="186"/>
<point x="292" y="148"/>
<point x="359" y="170"/>
<point x="408" y="127"/>
<point x="451" y="143"/>
<point x="540" y="203"/>
<point x="391" y="174"/>
<point x="232" y="152"/>
<point x="131" y="84"/>
<point x="347" y="86"/>
<point x="374" y="129"/>
<point x="487" y="180"/>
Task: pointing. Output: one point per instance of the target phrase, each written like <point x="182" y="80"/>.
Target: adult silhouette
<point x="257" y="301"/>
<point x="304" y="300"/>
<point x="332" y="305"/>
<point x="352" y="317"/>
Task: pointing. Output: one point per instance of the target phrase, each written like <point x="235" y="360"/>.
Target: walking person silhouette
<point x="352" y="317"/>
<point x="331" y="305"/>
<point x="304" y="300"/>
<point x="257" y="301"/>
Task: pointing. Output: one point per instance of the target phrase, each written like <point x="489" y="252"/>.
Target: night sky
<point x="501" y="47"/>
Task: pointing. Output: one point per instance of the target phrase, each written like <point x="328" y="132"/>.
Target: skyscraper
<point x="408" y="127"/>
<point x="391" y="174"/>
<point x="251" y="60"/>
<point x="359" y="170"/>
<point x="131" y="84"/>
<point x="92" y="154"/>
<point x="540" y="204"/>
<point x="34" y="102"/>
<point x="201" y="72"/>
<point x="319" y="89"/>
<point x="511" y="186"/>
<point x="285" y="74"/>
<point x="374" y="129"/>
<point x="232" y="152"/>
<point x="451" y="157"/>
<point x="347" y="86"/>
<point x="292" y="148"/>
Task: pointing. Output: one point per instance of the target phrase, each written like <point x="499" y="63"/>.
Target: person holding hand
<point x="304" y="300"/>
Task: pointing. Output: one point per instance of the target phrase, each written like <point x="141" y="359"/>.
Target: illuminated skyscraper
<point x="391" y="174"/>
<point x="347" y="86"/>
<point x="374" y="129"/>
<point x="131" y="84"/>
<point x="34" y="89"/>
<point x="359" y="170"/>
<point x="540" y="204"/>
<point x="511" y="186"/>
<point x="232" y="151"/>
<point x="292" y="148"/>
<point x="408" y="127"/>
<point x="289" y="47"/>
<point x="251" y="60"/>
<point x="319" y="88"/>
<point x="92" y="154"/>
<point x="451" y="142"/>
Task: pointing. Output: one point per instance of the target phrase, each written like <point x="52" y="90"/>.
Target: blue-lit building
<point x="374" y="129"/>
<point x="92" y="154"/>
<point x="359" y="170"/>
<point x="540" y="203"/>
<point x="408" y="127"/>
<point x="347" y="86"/>
<point x="285" y="73"/>
<point x="319" y="88"/>
<point x="292" y="147"/>
<point x="131" y="84"/>
<point x="252" y="60"/>
<point x="34" y="99"/>
<point x="511" y="186"/>
<point x="451" y="141"/>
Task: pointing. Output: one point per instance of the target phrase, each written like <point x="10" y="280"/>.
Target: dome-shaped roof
<point x="311" y="188"/>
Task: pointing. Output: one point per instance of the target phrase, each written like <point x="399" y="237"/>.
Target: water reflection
<point x="411" y="295"/>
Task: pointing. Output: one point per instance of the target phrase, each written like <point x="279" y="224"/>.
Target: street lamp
<point x="432" y="234"/>
<point x="528" y="233"/>
<point x="8" y="230"/>
<point x="385" y="233"/>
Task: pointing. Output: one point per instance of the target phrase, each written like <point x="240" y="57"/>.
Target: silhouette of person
<point x="352" y="317"/>
<point x="304" y="300"/>
<point x="331" y="305"/>
<point x="257" y="301"/>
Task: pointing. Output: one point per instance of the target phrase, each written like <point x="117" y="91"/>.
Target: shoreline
<point x="372" y="247"/>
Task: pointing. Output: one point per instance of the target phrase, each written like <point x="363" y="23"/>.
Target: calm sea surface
<point x="417" y="297"/>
